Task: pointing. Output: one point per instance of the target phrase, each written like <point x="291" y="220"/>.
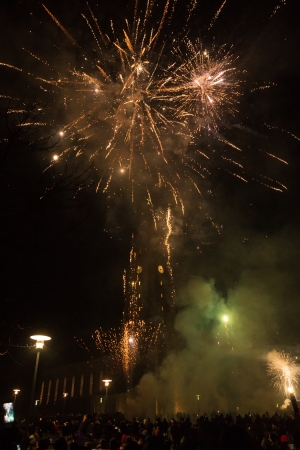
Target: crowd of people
<point x="214" y="432"/>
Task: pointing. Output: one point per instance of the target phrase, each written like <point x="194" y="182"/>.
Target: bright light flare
<point x="283" y="371"/>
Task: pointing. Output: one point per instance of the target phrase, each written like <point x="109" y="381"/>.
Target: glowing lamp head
<point x="106" y="382"/>
<point x="61" y="133"/>
<point x="65" y="394"/>
<point x="40" y="339"/>
<point x="16" y="391"/>
<point x="55" y="157"/>
<point x="225" y="319"/>
<point x="131" y="340"/>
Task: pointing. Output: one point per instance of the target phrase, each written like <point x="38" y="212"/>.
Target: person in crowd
<point x="235" y="437"/>
<point x="44" y="443"/>
<point x="61" y="444"/>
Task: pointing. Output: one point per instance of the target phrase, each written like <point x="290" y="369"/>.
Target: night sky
<point x="64" y="251"/>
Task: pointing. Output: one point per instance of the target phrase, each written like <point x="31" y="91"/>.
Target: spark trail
<point x="135" y="341"/>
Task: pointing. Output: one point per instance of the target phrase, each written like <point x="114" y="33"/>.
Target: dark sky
<point x="63" y="255"/>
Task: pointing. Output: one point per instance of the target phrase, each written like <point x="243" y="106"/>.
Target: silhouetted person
<point x="235" y="437"/>
<point x="61" y="444"/>
<point x="43" y="444"/>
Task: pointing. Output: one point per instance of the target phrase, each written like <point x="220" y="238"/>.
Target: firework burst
<point x="135" y="341"/>
<point x="134" y="101"/>
<point x="204" y="88"/>
<point x="283" y="371"/>
<point x="124" y="349"/>
<point x="125" y="110"/>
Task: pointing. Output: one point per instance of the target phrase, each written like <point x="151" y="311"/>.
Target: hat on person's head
<point x="283" y="438"/>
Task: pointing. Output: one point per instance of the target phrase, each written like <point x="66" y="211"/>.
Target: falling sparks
<point x="168" y="248"/>
<point x="135" y="340"/>
<point x="277" y="7"/>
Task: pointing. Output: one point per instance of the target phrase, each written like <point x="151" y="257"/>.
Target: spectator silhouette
<point x="235" y="437"/>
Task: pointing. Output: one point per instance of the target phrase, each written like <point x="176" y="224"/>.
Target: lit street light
<point x="15" y="391"/>
<point x="39" y="344"/>
<point x="106" y="384"/>
<point x="198" y="400"/>
<point x="65" y="395"/>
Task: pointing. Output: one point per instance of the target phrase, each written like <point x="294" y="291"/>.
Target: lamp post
<point x="15" y="391"/>
<point x="198" y="400"/>
<point x="106" y="384"/>
<point x="39" y="344"/>
<point x="65" y="395"/>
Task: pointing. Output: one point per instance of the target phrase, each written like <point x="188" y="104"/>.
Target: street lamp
<point x="106" y="384"/>
<point x="65" y="395"/>
<point x="15" y="391"/>
<point x="198" y="399"/>
<point x="39" y="344"/>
